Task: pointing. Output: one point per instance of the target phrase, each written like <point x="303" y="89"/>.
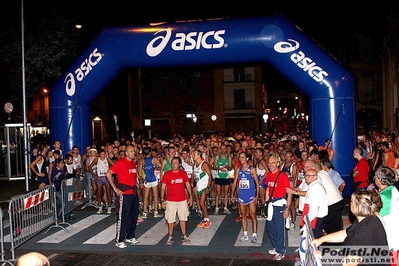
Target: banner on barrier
<point x="76" y="195"/>
<point x="36" y="199"/>
<point x="306" y="250"/>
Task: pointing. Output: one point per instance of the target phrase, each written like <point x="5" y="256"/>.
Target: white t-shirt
<point x="333" y="194"/>
<point x="316" y="198"/>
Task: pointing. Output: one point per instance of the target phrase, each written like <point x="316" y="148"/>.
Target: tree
<point x="50" y="46"/>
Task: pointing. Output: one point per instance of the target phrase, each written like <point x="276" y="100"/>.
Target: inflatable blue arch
<point x="274" y="40"/>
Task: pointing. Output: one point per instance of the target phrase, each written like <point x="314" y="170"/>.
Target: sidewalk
<point x="11" y="188"/>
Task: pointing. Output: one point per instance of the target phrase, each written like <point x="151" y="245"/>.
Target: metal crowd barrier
<point x="89" y="192"/>
<point x="29" y="214"/>
<point x="3" y="253"/>
<point x="74" y="192"/>
<point x="306" y="249"/>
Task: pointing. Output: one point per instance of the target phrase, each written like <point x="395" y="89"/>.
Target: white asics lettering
<point x="301" y="60"/>
<point x="82" y="71"/>
<point x="185" y="42"/>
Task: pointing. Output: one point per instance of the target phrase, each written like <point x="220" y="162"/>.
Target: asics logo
<point x="300" y="59"/>
<point x="185" y="42"/>
<point x="82" y="71"/>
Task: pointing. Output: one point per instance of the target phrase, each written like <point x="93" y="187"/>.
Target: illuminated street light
<point x="265" y="117"/>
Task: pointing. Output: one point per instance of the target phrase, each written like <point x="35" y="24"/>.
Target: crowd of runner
<point x="223" y="167"/>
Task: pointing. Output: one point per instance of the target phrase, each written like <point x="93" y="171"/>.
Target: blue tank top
<point x="246" y="185"/>
<point x="149" y="168"/>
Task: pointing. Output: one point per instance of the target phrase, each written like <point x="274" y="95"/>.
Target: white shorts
<point x="176" y="207"/>
<point x="151" y="184"/>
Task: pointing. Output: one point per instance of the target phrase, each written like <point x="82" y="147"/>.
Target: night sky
<point x="330" y="24"/>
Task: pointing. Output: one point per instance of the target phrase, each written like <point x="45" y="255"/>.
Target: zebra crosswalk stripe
<point x="201" y="236"/>
<point x="260" y="233"/>
<point x="73" y="229"/>
<point x="106" y="236"/>
<point x="155" y="234"/>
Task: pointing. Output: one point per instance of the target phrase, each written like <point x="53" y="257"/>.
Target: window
<point x="239" y="99"/>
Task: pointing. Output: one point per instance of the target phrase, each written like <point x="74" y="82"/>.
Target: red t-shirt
<point x="282" y="183"/>
<point x="175" y="185"/>
<point x="125" y="171"/>
<point x="363" y="168"/>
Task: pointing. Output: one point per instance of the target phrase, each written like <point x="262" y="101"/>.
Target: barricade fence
<point x="75" y="191"/>
<point x="306" y="249"/>
<point x="29" y="214"/>
<point x="3" y="253"/>
<point x="89" y="202"/>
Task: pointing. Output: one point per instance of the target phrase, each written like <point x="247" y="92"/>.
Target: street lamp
<point x="213" y="118"/>
<point x="265" y="118"/>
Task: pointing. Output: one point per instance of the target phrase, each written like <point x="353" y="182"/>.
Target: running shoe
<point x="120" y="245"/>
<point x="158" y="215"/>
<point x="207" y="205"/>
<point x="170" y="241"/>
<point x="132" y="241"/>
<point x="140" y="220"/>
<point x="185" y="240"/>
<point x="278" y="256"/>
<point x="200" y="214"/>
<point x="109" y="210"/>
<point x="216" y="211"/>
<point x="100" y="210"/>
<point x="272" y="251"/>
<point x="201" y="224"/>
<point x="292" y="226"/>
<point x="254" y="239"/>
<point x="226" y="211"/>
<point x="238" y="218"/>
<point x="206" y="224"/>
<point x="244" y="238"/>
<point x="143" y="215"/>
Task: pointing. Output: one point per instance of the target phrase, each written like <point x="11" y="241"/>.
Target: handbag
<point x="266" y="205"/>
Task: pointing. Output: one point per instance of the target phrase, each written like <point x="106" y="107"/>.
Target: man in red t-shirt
<point x="126" y="190"/>
<point x="278" y="206"/>
<point x="360" y="173"/>
<point x="176" y="184"/>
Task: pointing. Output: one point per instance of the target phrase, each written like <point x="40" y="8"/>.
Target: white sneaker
<point x="132" y="241"/>
<point x="292" y="227"/>
<point x="120" y="245"/>
<point x="109" y="210"/>
<point x="100" y="210"/>
<point x="158" y="215"/>
<point x="226" y="211"/>
<point x="278" y="256"/>
<point x="216" y="211"/>
<point x="244" y="238"/>
<point x="272" y="251"/>
<point x="170" y="241"/>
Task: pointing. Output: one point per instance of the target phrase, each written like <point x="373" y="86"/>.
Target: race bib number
<point x="244" y="184"/>
<point x="103" y="172"/>
<point x="301" y="176"/>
